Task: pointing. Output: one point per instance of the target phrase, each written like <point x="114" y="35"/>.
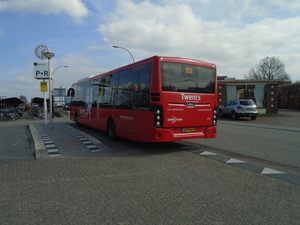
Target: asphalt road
<point x="275" y="145"/>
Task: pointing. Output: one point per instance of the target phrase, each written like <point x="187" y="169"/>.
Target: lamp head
<point x="48" y="55"/>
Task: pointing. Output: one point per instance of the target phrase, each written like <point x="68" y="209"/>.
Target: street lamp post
<point x="49" y="55"/>
<point x="114" y="46"/>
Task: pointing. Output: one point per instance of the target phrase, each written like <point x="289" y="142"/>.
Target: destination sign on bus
<point x="189" y="71"/>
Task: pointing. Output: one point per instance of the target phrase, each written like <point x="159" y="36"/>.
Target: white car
<point x="239" y="108"/>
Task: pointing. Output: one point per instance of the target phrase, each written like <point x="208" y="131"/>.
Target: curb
<point x="38" y="143"/>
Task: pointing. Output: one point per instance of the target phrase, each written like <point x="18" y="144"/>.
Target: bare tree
<point x="269" y="68"/>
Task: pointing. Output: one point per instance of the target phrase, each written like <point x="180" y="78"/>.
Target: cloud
<point x="177" y="30"/>
<point x="94" y="47"/>
<point x="11" y="87"/>
<point x="80" y="65"/>
<point x="74" y="8"/>
<point x="22" y="82"/>
<point x="290" y="5"/>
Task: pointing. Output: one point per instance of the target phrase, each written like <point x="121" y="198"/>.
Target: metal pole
<point x="125" y="50"/>
<point x="50" y="95"/>
<point x="49" y="55"/>
<point x="45" y="109"/>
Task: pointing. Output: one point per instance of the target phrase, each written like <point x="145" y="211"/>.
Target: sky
<point x="233" y="34"/>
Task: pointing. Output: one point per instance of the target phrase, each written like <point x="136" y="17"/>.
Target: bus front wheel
<point x="111" y="130"/>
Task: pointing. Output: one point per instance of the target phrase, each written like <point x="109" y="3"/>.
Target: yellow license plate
<point x="188" y="129"/>
<point x="248" y="109"/>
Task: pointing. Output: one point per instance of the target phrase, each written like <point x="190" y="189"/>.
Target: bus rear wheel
<point x="111" y="130"/>
<point x="77" y="121"/>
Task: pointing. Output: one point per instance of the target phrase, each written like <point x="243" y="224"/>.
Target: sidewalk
<point x="62" y="140"/>
<point x="28" y="140"/>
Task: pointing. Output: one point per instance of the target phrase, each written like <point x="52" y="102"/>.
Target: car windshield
<point x="247" y="102"/>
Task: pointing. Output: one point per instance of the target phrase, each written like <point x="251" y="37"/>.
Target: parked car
<point x="67" y="105"/>
<point x="239" y="108"/>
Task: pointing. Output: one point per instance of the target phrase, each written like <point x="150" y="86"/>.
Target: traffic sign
<point x="59" y="92"/>
<point x="44" y="86"/>
<point x="41" y="70"/>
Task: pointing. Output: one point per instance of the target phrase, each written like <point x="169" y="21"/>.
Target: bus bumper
<point x="171" y="134"/>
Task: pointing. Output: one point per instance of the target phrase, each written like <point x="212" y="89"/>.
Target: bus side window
<point x="107" y="92"/>
<point x="143" y="101"/>
<point x="126" y="94"/>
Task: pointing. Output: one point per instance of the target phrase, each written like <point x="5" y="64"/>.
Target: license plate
<point x="248" y="109"/>
<point x="188" y="129"/>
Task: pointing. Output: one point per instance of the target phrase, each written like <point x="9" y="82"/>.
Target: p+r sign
<point x="41" y="70"/>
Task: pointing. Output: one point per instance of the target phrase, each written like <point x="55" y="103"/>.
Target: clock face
<point x="39" y="50"/>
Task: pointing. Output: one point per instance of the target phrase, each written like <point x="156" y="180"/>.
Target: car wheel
<point x="233" y="115"/>
<point x="221" y="113"/>
<point x="111" y="130"/>
<point x="253" y="117"/>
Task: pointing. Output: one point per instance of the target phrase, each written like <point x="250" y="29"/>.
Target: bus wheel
<point x="77" y="121"/>
<point x="111" y="130"/>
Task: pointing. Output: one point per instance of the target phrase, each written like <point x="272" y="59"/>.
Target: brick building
<point x="289" y="96"/>
<point x="263" y="92"/>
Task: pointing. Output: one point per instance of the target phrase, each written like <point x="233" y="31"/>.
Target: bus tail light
<point x="215" y="116"/>
<point x="158" y="114"/>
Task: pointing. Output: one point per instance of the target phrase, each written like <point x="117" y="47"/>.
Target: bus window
<point x="187" y="78"/>
<point x="107" y="91"/>
<point x="143" y="101"/>
<point x="126" y="94"/>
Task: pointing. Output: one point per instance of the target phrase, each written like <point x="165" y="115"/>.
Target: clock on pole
<point x="39" y="50"/>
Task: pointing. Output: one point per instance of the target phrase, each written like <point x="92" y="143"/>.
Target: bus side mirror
<point x="71" y="92"/>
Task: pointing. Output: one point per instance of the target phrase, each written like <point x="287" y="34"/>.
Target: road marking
<point x="276" y="174"/>
<point x="84" y="140"/>
<point x="271" y="171"/>
<point x="50" y="146"/>
<point x="207" y="153"/>
<point x="235" y="161"/>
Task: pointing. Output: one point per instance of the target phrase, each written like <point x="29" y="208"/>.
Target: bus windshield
<point x="187" y="78"/>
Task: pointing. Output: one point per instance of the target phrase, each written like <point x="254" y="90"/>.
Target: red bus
<point x="159" y="99"/>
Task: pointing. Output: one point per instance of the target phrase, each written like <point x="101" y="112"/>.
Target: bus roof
<point x="162" y="58"/>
